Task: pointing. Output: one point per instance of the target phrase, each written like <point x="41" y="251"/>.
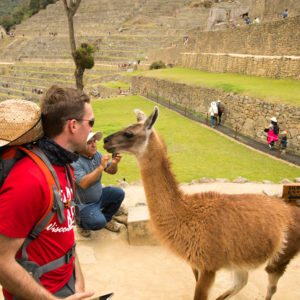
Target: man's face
<point x="91" y="147"/>
<point x="85" y="127"/>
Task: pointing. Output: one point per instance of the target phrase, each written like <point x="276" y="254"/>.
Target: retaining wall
<point x="249" y="116"/>
<point x="269" y="49"/>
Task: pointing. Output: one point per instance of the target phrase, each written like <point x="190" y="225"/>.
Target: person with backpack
<point x="221" y="109"/>
<point x="213" y="113"/>
<point x="273" y="131"/>
<point x="37" y="244"/>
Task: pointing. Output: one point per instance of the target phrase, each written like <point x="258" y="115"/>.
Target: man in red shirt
<point x="67" y="119"/>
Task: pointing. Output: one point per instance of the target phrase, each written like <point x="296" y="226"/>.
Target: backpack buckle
<point x="70" y="254"/>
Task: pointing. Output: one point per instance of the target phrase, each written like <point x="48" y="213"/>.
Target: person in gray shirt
<point x="97" y="204"/>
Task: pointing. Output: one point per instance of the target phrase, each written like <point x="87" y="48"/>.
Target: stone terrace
<point x="23" y="80"/>
<point x="270" y="49"/>
<point x="120" y="30"/>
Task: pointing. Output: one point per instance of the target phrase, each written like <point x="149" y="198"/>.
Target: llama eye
<point x="128" y="134"/>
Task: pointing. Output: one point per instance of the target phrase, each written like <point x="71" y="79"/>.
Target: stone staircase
<point x="21" y="80"/>
<point x="121" y="31"/>
<point x="117" y="29"/>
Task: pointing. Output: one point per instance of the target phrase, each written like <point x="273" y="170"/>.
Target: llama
<point x="210" y="230"/>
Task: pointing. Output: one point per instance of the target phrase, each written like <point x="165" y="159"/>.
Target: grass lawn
<point x="272" y="90"/>
<point x="194" y="150"/>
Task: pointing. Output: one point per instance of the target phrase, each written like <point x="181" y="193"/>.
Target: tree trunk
<point x="71" y="34"/>
<point x="71" y="9"/>
<point x="79" y="77"/>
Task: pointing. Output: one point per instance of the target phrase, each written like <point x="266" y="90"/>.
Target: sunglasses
<point x="91" y="121"/>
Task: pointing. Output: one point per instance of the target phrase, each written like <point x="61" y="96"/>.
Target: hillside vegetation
<point x="13" y="12"/>
<point x="7" y="6"/>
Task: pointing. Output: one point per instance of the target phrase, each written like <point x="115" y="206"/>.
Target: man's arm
<point x="90" y="178"/>
<point x="79" y="283"/>
<point x="18" y="281"/>
<point x="13" y="277"/>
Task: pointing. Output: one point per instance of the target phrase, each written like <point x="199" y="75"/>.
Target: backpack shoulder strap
<point x="55" y="203"/>
<point x="55" y="206"/>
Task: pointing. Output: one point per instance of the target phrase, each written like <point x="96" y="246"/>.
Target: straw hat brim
<point x="20" y="122"/>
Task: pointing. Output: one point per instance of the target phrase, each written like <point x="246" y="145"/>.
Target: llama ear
<point x="152" y="119"/>
<point x="140" y="115"/>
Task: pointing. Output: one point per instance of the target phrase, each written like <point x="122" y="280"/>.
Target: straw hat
<point x="20" y="122"/>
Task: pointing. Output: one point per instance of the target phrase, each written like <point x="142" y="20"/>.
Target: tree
<point x="82" y="56"/>
<point x="34" y="6"/>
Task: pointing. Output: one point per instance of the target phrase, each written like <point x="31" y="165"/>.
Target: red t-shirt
<point x="24" y="197"/>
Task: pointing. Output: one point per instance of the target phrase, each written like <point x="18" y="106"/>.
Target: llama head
<point x="134" y="138"/>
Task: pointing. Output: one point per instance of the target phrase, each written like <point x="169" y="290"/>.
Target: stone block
<point x="139" y="231"/>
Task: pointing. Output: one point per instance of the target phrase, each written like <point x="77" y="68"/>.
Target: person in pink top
<point x="273" y="131"/>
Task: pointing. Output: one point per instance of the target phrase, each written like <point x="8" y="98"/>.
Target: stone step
<point x="139" y="230"/>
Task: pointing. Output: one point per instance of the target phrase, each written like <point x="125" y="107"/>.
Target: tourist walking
<point x="221" y="108"/>
<point x="283" y="142"/>
<point x="213" y="113"/>
<point x="273" y="131"/>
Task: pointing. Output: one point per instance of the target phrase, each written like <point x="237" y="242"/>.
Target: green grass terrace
<point x="195" y="150"/>
<point x="272" y="90"/>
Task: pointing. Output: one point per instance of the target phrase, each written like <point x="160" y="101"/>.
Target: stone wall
<point x="272" y="38"/>
<point x="269" y="49"/>
<point x="247" y="115"/>
<point x="267" y="66"/>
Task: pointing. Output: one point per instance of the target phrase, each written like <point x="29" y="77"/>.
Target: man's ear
<point x="71" y="125"/>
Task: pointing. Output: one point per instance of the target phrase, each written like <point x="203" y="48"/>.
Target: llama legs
<point x="272" y="287"/>
<point x="240" y="280"/>
<point x="196" y="273"/>
<point x="275" y="270"/>
<point x="276" y="267"/>
<point x="203" y="285"/>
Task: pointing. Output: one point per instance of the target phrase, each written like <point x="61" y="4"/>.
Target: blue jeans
<point x="94" y="216"/>
<point x="213" y="121"/>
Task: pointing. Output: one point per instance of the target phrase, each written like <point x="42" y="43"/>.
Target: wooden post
<point x="291" y="193"/>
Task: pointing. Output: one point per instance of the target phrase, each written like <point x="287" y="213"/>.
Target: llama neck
<point x="161" y="188"/>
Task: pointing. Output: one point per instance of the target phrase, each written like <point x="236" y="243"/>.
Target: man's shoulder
<point x="28" y="171"/>
<point x="27" y="165"/>
<point x="27" y="174"/>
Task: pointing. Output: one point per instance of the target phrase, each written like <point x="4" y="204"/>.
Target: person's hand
<point x="116" y="158"/>
<point x="81" y="295"/>
<point x="104" y="161"/>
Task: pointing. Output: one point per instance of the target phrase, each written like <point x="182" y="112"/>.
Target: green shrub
<point x="157" y="65"/>
<point x="84" y="56"/>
